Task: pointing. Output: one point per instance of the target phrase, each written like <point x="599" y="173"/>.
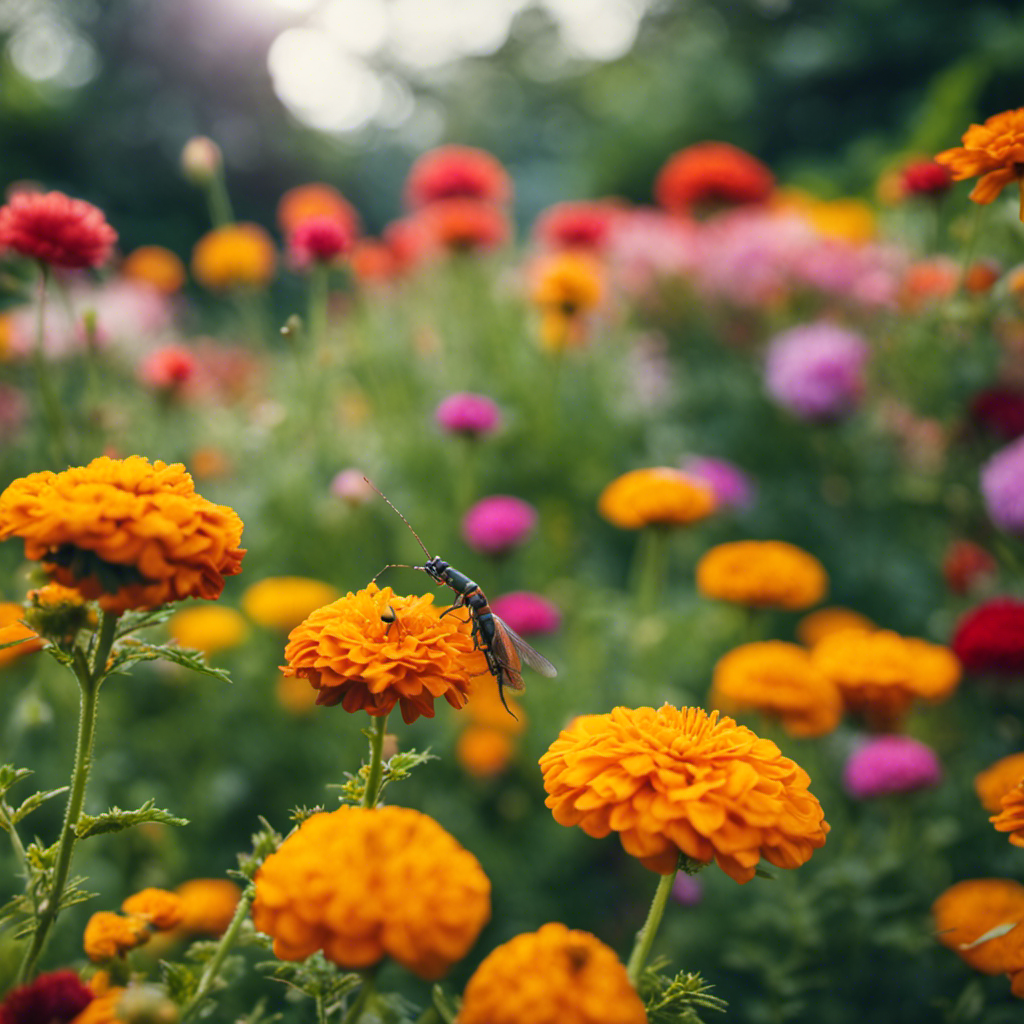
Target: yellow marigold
<point x="813" y="628"/>
<point x="154" y="265"/>
<point x="11" y="629"/>
<point x="159" y="907"/>
<point x="208" y="904"/>
<point x="108" y="935"/>
<point x="353" y="657"/>
<point x="676" y="781"/>
<point x="363" y="884"/>
<point x="295" y="694"/>
<point x="994" y="150"/>
<point x="234" y="256"/>
<point x="660" y="496"/>
<point x="483" y="751"/>
<point x="569" y="282"/>
<point x="779" y="680"/>
<point x="1011" y="815"/>
<point x="130" y="533"/>
<point x="762" y="574"/>
<point x="997" y="780"/>
<point x="208" y="628"/>
<point x="973" y="908"/>
<point x="209" y="463"/>
<point x="282" y="602"/>
<point x="551" y="976"/>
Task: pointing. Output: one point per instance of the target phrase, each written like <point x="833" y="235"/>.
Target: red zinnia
<point x="999" y="410"/>
<point x="53" y="998"/>
<point x="451" y="172"/>
<point x="582" y="225"/>
<point x="464" y="225"/>
<point x="964" y="564"/>
<point x="56" y="229"/>
<point x="991" y="637"/>
<point x="711" y="173"/>
<point x="318" y="240"/>
<point x="926" y="178"/>
<point x="168" y="369"/>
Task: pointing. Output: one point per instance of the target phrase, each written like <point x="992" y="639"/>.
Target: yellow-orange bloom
<point x="315" y="199"/>
<point x="295" y="695"/>
<point x="673" y="781"/>
<point x="973" y="908"/>
<point x="570" y="282"/>
<point x="660" y="496"/>
<point x="364" y="884"/>
<point x="1011" y="815"/>
<point x="997" y="780"/>
<point x="485" y="708"/>
<point x="11" y="629"/>
<point x="104" y="1008"/>
<point x="551" y="976"/>
<point x="160" y="908"/>
<point x="353" y="657"/>
<point x="208" y="628"/>
<point x="994" y="150"/>
<point x="234" y="256"/>
<point x="207" y="904"/>
<point x="483" y="751"/>
<point x="130" y="533"/>
<point x="813" y="628"/>
<point x="156" y="266"/>
<point x="779" y="680"/>
<point x="108" y="935"/>
<point x="762" y="574"/>
<point x="282" y="602"/>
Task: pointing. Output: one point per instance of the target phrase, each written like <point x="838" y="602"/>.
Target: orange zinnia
<point x="997" y="780"/>
<point x="659" y="496"/>
<point x="156" y="266"/>
<point x="680" y="781"/>
<point x="813" y="628"/>
<point x="234" y="256"/>
<point x="463" y="226"/>
<point x="762" y="574"/>
<point x="316" y="199"/>
<point x="1011" y="815"/>
<point x="973" y="908"/>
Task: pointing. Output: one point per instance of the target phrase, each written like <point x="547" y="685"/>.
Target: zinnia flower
<point x="56" y="229"/>
<point x="660" y="496"/>
<point x="353" y="657"/>
<point x="551" y="976"/>
<point x="457" y="172"/>
<point x="813" y="628"/>
<point x="468" y="414"/>
<point x="527" y="613"/>
<point x="130" y="533"/>
<point x="54" y="998"/>
<point x="161" y="909"/>
<point x="965" y="565"/>
<point x="234" y="256"/>
<point x="207" y="904"/>
<point x="576" y="225"/>
<point x="108" y="935"/>
<point x="711" y="173"/>
<point x="569" y="283"/>
<point x="999" y="410"/>
<point x="317" y="240"/>
<point x="499" y="523"/>
<point x="886" y="765"/>
<point x="1002" y="487"/>
<point x="462" y="225"/>
<point x="282" y="602"/>
<point x="997" y="780"/>
<point x="363" y="884"/>
<point x="925" y="178"/>
<point x="990" y="638"/>
<point x="973" y="908"/>
<point x="168" y="369"/>
<point x="1011" y="815"/>
<point x="762" y="574"/>
<point x="351" y="487"/>
<point x="731" y="487"/>
<point x="156" y="266"/>
<point x="316" y="199"/>
<point x="673" y="781"/>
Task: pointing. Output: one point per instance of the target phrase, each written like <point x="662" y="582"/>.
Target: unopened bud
<point x="201" y="160"/>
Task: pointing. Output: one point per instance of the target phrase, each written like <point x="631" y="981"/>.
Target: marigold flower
<point x="462" y="225"/>
<point x="316" y="199"/>
<point x="659" y="496"/>
<point x="1011" y="815"/>
<point x="673" y="781"/>
<point x="497" y="524"/>
<point x="569" y="283"/>
<point x="130" y="533"/>
<point x="53" y="998"/>
<point x="990" y="638"/>
<point x="108" y="935"/>
<point x="317" y="240"/>
<point x="762" y="574"/>
<point x="813" y="628"/>
<point x="997" y="780"/>
<point x="154" y="265"/>
<point x="485" y="708"/>
<point x="282" y="602"/>
<point x="11" y="629"/>
<point x="363" y="884"/>
<point x="353" y="657"/>
<point x="234" y="256"/>
<point x="104" y="1009"/>
<point x="890" y="764"/>
<point x="484" y="752"/>
<point x="994" y="150"/>
<point x="208" y="628"/>
<point x="711" y="173"/>
<point x="779" y="680"/>
<point x="159" y="907"/>
<point x="457" y="172"/>
<point x="208" y="904"/>
<point x="551" y="976"/>
<point x="973" y="908"/>
<point x="56" y="229"/>
<point x="583" y="225"/>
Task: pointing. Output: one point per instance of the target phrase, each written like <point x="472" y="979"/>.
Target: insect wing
<point x="532" y="658"/>
<point x="506" y="667"/>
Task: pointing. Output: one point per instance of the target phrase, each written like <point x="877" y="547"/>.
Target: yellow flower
<point x="108" y="935"/>
<point x="676" y="781"/>
<point x="160" y="908"/>
<point x="1011" y="815"/>
<point x="762" y="574"/>
<point x="295" y="694"/>
<point x="208" y="628"/>
<point x="569" y="282"/>
<point x="968" y="910"/>
<point x="483" y="751"/>
<point x="364" y="884"/>
<point x="997" y="780"/>
<point x="208" y="904"/>
<point x="813" y="628"/>
<point x="237" y="255"/>
<point x="551" y="976"/>
<point x="104" y="1009"/>
<point x="154" y="265"/>
<point x="282" y="602"/>
<point x="660" y="496"/>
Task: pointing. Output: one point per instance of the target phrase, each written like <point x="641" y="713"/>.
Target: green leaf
<point x="116" y="820"/>
<point x="14" y="643"/>
<point x="130" y="622"/>
<point x="396" y="769"/>
<point x="137" y="650"/>
<point x="27" y="806"/>
<point x="180" y="980"/>
<point x="676" y="1000"/>
<point x="447" y="1006"/>
<point x="315" y="977"/>
<point x="300" y="814"/>
<point x="11" y="776"/>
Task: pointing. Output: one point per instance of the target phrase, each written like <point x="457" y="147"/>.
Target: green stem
<point x="649" y="569"/>
<point x="321" y="1012"/>
<point x="52" y="413"/>
<point x="218" y="201"/>
<point x="645" y="937"/>
<point x="372" y="794"/>
<point x="355" y="1011"/>
<point x="318" y="299"/>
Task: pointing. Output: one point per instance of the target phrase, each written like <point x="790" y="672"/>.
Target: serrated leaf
<point x="59" y="655"/>
<point x="180" y="980"/>
<point x="130" y="622"/>
<point x="11" y="776"/>
<point x="136" y="650"/>
<point x="27" y="806"/>
<point x="117" y="820"/>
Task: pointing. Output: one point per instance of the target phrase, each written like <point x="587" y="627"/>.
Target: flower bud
<point x="201" y="160"/>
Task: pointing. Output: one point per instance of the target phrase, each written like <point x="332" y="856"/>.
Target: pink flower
<point x="56" y="229"/>
<point x="168" y="369"/>
<point x="1002" y="487"/>
<point x="576" y="225"/>
<point x="885" y="765"/>
<point x="350" y="486"/>
<point x="731" y="486"/>
<point x="318" y="239"/>
<point x="449" y="172"/>
<point x="495" y="525"/>
<point x="687" y="890"/>
<point x="527" y="613"/>
<point x="469" y="414"/>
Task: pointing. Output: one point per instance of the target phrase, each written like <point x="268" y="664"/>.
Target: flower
<point x="1002" y="487"/>
<point x="353" y="657"/>
<point x="779" y="680"/>
<point x="711" y="173"/>
<point x="687" y="890"/>
<point x="659" y="496"/>
<point x="161" y="909"/>
<point x="351" y="487"/>
<point x="295" y="695"/>
<point x="583" y="225"/>
<point x="484" y="752"/>
<point x="468" y="414"/>
<point x="105" y="1007"/>
<point x="997" y="780"/>
<point x="681" y="781"/>
<point x="130" y="533"/>
<point x="156" y="266"/>
<point x="973" y="908"/>
<point x="1011" y="815"/>
<point x="816" y="370"/>
<point x="551" y="976"/>
<point x="282" y="602"/>
<point x="990" y="638"/>
<point x="201" y="160"/>
<point x="925" y="178"/>
<point x="207" y="904"/>
<point x="527" y="613"/>
<point x="495" y="525"/>
<point x="53" y="998"/>
<point x="965" y="565"/>
<point x="316" y="199"/>
<point x="731" y="487"/>
<point x="11" y="629"/>
<point x="208" y="628"/>
<point x="762" y="574"/>
<point x="234" y="256"/>
<point x="928" y="281"/>
<point x="999" y="410"/>
<point x="168" y="369"/>
<point x="108" y="935"/>
<point x="56" y="229"/>
<point x="319" y="239"/>
<point x="813" y="628"/>
<point x="486" y="708"/>
<point x="994" y="150"/>
<point x="462" y="225"/>
<point x="885" y="765"/>
<point x="981" y="275"/>
<point x="450" y="172"/>
<point x="569" y="283"/>
<point x="372" y="262"/>
<point x="363" y="884"/>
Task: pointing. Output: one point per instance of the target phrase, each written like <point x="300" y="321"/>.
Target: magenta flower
<point x="731" y="487"/>
<point x="527" y="612"/>
<point x="1002" y="486"/>
<point x="318" y="239"/>
<point x="885" y="765"/>
<point x="468" y="414"/>
<point x="495" y="525"/>
<point x="687" y="890"/>
<point x="350" y="486"/>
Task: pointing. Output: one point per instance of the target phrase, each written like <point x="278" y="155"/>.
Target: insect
<point x="504" y="650"/>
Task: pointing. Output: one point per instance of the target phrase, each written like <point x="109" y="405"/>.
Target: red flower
<point x="926" y="178"/>
<point x="318" y="240"/>
<point x="964" y="564"/>
<point x="999" y="410"/>
<point x="712" y="173"/>
<point x="464" y="225"/>
<point x="53" y="998"/>
<point x="56" y="229"/>
<point x="991" y="637"/>
<point x="583" y="225"/>
<point x="451" y="172"/>
<point x="169" y="368"/>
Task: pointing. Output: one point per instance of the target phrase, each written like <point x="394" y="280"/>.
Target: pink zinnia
<point x="318" y="240"/>
<point x="351" y="487"/>
<point x="468" y="413"/>
<point x="56" y="229"/>
<point x="576" y="225"/>
<point x="497" y="524"/>
<point x="731" y="486"/>
<point x="886" y="765"/>
<point x="527" y="613"/>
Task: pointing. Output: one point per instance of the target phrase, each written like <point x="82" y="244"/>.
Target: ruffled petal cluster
<point x="53" y="998"/>
<point x="971" y="909"/>
<point x="208" y="904"/>
<point x="673" y="781"/>
<point x="659" y="496"/>
<point x="363" y="884"/>
<point x="56" y="229"/>
<point x="457" y="172"/>
<point x="990" y="638"/>
<point x="710" y="173"/>
<point x="108" y="935"/>
<point x="1011" y="815"/>
<point x="127" y="532"/>
<point x="234" y="256"/>
<point x="160" y="908"/>
<point x="762" y="574"/>
<point x="997" y="780"/>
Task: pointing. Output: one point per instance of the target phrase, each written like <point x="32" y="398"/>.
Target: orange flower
<point x="711" y="173"/>
<point x="463" y="225"/>
<point x="234" y="256"/>
<point x="676" y="781"/>
<point x="994" y="150"/>
<point x="660" y="496"/>
<point x="551" y="976"/>
<point x="813" y="628"/>
<point x="1011" y="815"/>
<point x="997" y="780"/>
<point x="779" y="680"/>
<point x="154" y="265"/>
<point x="485" y="708"/>
<point x="208" y="628"/>
<point x="570" y="283"/>
<point x="208" y="904"/>
<point x="295" y="695"/>
<point x="353" y="657"/>
<point x="762" y="574"/>
<point x="316" y="199"/>
<point x="483" y="751"/>
<point x="968" y="910"/>
<point x="372" y="262"/>
<point x="160" y="908"/>
<point x="103" y="1009"/>
<point x="11" y="629"/>
<point x="108" y="935"/>
<point x="363" y="884"/>
<point x="130" y="533"/>
<point x="282" y="602"/>
<point x="451" y="172"/>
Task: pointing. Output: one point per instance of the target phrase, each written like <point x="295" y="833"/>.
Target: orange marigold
<point x="161" y="909"/>
<point x="779" y="680"/>
<point x="282" y="602"/>
<point x="762" y="574"/>
<point x="973" y="908"/>
<point x="362" y="884"/>
<point x="208" y="628"/>
<point x="813" y="628"/>
<point x="994" y="150"/>
<point x="353" y="657"/>
<point x="1011" y="815"/>
<point x="673" y="781"/>
<point x="997" y="780"/>
<point x="208" y="904"/>
<point x="484" y="751"/>
<point x="551" y="976"/>
<point x="660" y="496"/>
<point x="108" y="935"/>
<point x="234" y="256"/>
<point x="130" y="533"/>
<point x="156" y="266"/>
<point x="11" y="629"/>
<point x="104" y="1009"/>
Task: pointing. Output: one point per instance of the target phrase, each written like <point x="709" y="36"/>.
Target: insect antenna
<point x="394" y="565"/>
<point x="404" y="520"/>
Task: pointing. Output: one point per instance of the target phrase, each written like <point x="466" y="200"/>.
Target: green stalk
<point x="645" y="937"/>
<point x="355" y="1011"/>
<point x="373" y="780"/>
<point x="318" y="298"/>
<point x="52" y="412"/>
<point x="218" y="201"/>
<point x="649" y="569"/>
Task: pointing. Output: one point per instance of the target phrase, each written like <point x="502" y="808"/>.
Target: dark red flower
<point x="926" y="178"/>
<point x="964" y="564"/>
<point x="318" y="239"/>
<point x="991" y="637"/>
<point x="56" y="229"/>
<point x="464" y="225"/>
<point x="710" y="173"/>
<point x="451" y="172"/>
<point x="53" y="998"/>
<point x="999" y="410"/>
<point x="576" y="225"/>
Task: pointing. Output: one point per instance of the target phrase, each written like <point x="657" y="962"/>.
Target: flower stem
<point x="218" y="201"/>
<point x="318" y="299"/>
<point x="355" y="1011"/>
<point x="373" y="780"/>
<point x="645" y="937"/>
<point x="56" y="428"/>
<point x="649" y="569"/>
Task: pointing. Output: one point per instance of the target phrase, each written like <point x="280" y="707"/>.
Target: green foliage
<point x="116" y="820"/>
<point x="315" y="977"/>
<point x="396" y="769"/>
<point x="131" y="652"/>
<point x="676" y="1000"/>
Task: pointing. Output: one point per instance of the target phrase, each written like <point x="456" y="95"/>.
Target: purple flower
<point x="351" y="487"/>
<point x="468" y="414"/>
<point x="816" y="370"/>
<point x="1002" y="486"/>
<point x="687" y="889"/>
<point x="527" y="613"/>
<point x="731" y="487"/>
<point x="497" y="524"/>
<point x="887" y="764"/>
